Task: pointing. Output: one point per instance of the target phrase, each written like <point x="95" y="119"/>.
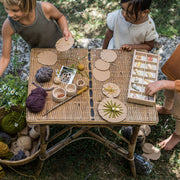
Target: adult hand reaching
<point x="158" y="85"/>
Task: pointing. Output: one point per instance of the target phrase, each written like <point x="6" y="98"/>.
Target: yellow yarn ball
<point x="4" y="149"/>
<point x="80" y="67"/>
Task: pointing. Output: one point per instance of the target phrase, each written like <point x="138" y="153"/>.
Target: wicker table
<point x="81" y="112"/>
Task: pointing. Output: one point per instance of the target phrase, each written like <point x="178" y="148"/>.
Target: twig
<point x="42" y="88"/>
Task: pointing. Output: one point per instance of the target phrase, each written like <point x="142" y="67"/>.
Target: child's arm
<point x="158" y="85"/>
<point x="52" y="12"/>
<point x="148" y="45"/>
<point x="7" y="32"/>
<point x="108" y="36"/>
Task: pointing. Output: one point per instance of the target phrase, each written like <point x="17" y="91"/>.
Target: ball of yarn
<point x="36" y="100"/>
<point x="13" y="123"/>
<point x="19" y="156"/>
<point x="5" y="138"/>
<point x="24" y="142"/>
<point x="44" y="74"/>
<point x="57" y="80"/>
<point x="4" y="149"/>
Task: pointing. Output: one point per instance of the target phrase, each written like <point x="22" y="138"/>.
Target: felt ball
<point x="57" y="80"/>
<point x="36" y="100"/>
<point x="4" y="149"/>
<point x="19" y="156"/>
<point x="24" y="142"/>
<point x="5" y="138"/>
<point x="44" y="74"/>
<point x="80" y="67"/>
<point x="13" y="123"/>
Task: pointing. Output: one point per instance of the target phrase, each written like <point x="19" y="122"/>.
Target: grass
<point x="89" y="160"/>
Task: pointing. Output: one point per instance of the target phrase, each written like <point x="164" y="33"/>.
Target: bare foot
<point x="162" y="110"/>
<point x="170" y="142"/>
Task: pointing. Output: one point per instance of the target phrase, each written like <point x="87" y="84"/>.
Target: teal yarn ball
<point x="13" y="123"/>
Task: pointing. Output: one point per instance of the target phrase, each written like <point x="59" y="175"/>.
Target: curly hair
<point x="137" y="5"/>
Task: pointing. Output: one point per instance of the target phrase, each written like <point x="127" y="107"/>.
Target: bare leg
<point x="170" y="142"/>
<point x="162" y="110"/>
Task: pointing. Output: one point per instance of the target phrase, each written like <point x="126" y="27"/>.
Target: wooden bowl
<point x="59" y="94"/>
<point x="80" y="83"/>
<point x="71" y="89"/>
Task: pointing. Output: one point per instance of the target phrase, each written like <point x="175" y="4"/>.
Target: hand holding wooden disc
<point x="64" y="45"/>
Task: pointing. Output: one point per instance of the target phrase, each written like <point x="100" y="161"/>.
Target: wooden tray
<point x="144" y="70"/>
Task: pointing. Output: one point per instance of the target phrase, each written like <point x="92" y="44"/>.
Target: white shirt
<point x="128" y="33"/>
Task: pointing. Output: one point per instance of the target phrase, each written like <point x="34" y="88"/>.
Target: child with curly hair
<point x="130" y="27"/>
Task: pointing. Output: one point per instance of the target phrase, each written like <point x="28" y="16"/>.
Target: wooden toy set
<point x="144" y="71"/>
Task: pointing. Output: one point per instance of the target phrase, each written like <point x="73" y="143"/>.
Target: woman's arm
<point x="52" y="12"/>
<point x="108" y="36"/>
<point x="7" y="33"/>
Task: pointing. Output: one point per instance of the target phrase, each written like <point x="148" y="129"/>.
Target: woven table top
<point x="82" y="110"/>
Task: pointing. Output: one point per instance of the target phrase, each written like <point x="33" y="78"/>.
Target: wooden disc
<point x="47" y="58"/>
<point x="149" y="148"/>
<point x="101" y="75"/>
<point x="63" y="45"/>
<point x="108" y="55"/>
<point x="102" y="65"/>
<point x="153" y="156"/>
<point x="110" y="90"/>
<point x="106" y="111"/>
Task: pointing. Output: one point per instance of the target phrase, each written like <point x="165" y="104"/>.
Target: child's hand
<point x="67" y="34"/>
<point x="126" y="47"/>
<point x="154" y="87"/>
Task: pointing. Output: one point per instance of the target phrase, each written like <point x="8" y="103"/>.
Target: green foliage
<point x="13" y="91"/>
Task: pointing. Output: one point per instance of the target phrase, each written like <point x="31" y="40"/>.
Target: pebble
<point x="163" y="46"/>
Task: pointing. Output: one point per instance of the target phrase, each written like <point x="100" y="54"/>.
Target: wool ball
<point x="44" y="74"/>
<point x="57" y="80"/>
<point x="13" y="123"/>
<point x="36" y="100"/>
<point x="4" y="149"/>
<point x="24" y="142"/>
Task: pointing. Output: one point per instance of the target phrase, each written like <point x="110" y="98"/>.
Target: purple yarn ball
<point x="36" y="100"/>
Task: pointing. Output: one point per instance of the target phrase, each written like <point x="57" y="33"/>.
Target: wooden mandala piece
<point x="112" y="110"/>
<point x="110" y="90"/>
<point x="108" y="55"/>
<point x="63" y="45"/>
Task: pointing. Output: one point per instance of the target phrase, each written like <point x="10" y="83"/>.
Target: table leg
<point x="43" y="147"/>
<point x="132" y="146"/>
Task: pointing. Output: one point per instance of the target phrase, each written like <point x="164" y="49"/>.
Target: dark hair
<point x="137" y="5"/>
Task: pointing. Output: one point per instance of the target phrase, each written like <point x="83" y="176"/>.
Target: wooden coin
<point x="63" y="45"/>
<point x="152" y="156"/>
<point x="149" y="148"/>
<point x="101" y="75"/>
<point x="102" y="65"/>
<point x="108" y="55"/>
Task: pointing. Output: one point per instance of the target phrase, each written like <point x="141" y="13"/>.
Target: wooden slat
<point x="78" y="110"/>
